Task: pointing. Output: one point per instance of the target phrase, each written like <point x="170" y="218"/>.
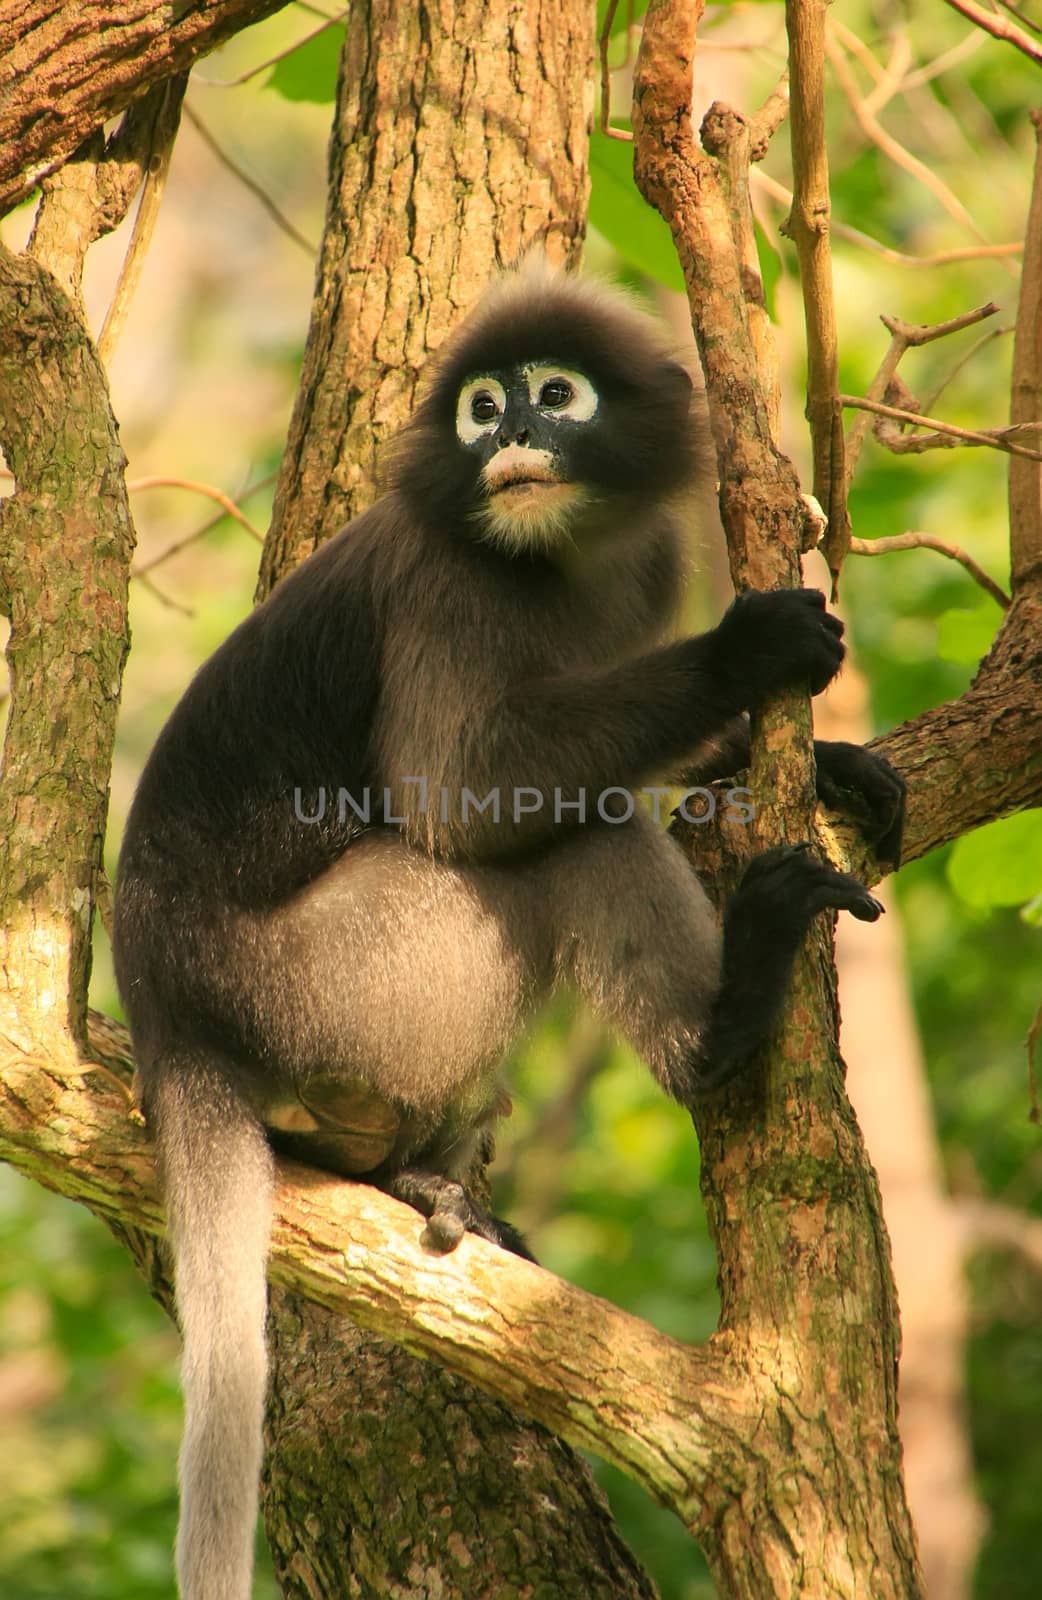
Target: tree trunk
<point x="410" y="1482"/>
<point x="66" y="540"/>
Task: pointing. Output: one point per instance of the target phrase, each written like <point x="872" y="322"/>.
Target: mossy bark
<point x="65" y="545"/>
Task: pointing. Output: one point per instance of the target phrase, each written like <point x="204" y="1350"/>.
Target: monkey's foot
<point x="783" y="888"/>
<point x="863" y="784"/>
<point x="450" y="1212"/>
<point x="778" y="897"/>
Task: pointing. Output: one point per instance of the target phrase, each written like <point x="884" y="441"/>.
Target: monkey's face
<point x="557" y="420"/>
<point x="522" y="427"/>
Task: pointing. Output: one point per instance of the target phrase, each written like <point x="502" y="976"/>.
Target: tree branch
<point x="1025" y="476"/>
<point x="930" y="541"/>
<point x="64" y="554"/>
<point x="979" y="757"/>
<point x="157" y="155"/>
<point x="66" y="72"/>
<point x="946" y="431"/>
<point x="999" y="28"/>
<point x="602" y="1379"/>
<point x="808" y="227"/>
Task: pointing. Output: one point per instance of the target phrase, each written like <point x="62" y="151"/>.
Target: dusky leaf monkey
<point x="393" y="812"/>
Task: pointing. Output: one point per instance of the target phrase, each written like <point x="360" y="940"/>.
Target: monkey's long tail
<point x="217" y="1175"/>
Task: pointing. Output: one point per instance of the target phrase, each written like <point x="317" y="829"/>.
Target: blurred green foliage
<point x="609" y="1187"/>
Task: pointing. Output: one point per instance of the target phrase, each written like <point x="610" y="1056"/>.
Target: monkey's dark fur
<point x="348" y="990"/>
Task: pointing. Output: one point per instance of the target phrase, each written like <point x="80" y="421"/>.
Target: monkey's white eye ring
<point x="561" y="391"/>
<point x="479" y="407"/>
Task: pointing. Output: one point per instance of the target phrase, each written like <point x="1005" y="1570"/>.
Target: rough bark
<point x="459" y="141"/>
<point x="483" y="1499"/>
<point x="793" y="1205"/>
<point x="65" y="544"/>
<point x="66" y="68"/>
<point x="679" y="1419"/>
<point x="978" y="757"/>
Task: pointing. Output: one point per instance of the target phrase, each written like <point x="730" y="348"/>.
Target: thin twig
<point x="157" y="169"/>
<point x="765" y="124"/>
<point x="893" y="148"/>
<point x="255" y="189"/>
<point x="1015" y="11"/>
<point x="208" y="489"/>
<point x="199" y="533"/>
<point x="603" y="42"/>
<point x="889" y="79"/>
<point x="164" y="599"/>
<point x="903" y="336"/>
<point x="842" y="230"/>
<point x="808" y="227"/>
<point x="964" y="361"/>
<point x="920" y="333"/>
<point x="272" y="61"/>
<point x="930" y="541"/>
<point x="994" y="440"/>
<point x="967" y="46"/>
<point x="999" y="28"/>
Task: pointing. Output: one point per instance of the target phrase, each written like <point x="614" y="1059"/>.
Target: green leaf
<point x="623" y="216"/>
<point x="309" y="72"/>
<point x="965" y="636"/>
<point x="1001" y="864"/>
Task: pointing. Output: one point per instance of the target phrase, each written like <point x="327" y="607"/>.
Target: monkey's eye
<point x="564" y="391"/>
<point x="483" y="407"/>
<point x="556" y="393"/>
<point x="479" y="405"/>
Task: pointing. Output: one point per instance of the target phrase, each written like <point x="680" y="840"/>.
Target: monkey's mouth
<point x="520" y="469"/>
<point x="521" y="483"/>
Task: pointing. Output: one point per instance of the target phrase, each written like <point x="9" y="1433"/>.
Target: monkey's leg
<point x="389" y="991"/>
<point x="695" y="1007"/>
<point x="635" y="934"/>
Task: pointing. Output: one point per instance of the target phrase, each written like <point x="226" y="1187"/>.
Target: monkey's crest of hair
<point x="644" y="443"/>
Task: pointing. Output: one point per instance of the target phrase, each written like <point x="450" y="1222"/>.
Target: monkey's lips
<point x="520" y="470"/>
<point x="519" y="485"/>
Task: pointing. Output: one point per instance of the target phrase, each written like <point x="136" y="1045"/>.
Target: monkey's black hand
<point x="450" y="1212"/>
<point x="866" y="787"/>
<point x="767" y="641"/>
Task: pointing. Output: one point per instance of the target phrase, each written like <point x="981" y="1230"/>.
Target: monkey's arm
<point x="548" y="750"/>
<point x="850" y="778"/>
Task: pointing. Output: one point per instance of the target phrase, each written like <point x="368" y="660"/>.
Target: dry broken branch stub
<point x="903" y="335"/>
